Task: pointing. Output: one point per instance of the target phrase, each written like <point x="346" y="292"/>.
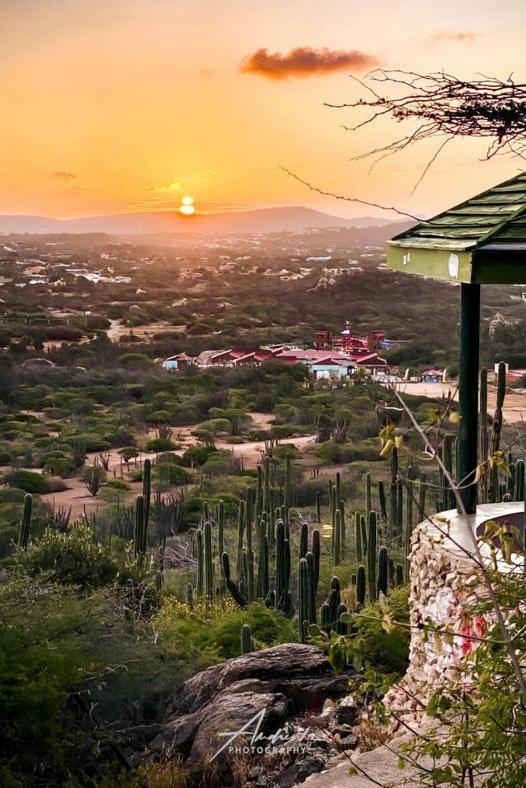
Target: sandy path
<point x="79" y="499"/>
<point x="514" y="404"/>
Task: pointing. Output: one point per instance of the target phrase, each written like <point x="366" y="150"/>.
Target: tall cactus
<point x="139" y="532"/>
<point x="263" y="568"/>
<point x="259" y="492"/>
<point x="394" y="489"/>
<point x="147" y="492"/>
<point x="237" y="595"/>
<point x="283" y="598"/>
<point x="221" y="527"/>
<point x="494" y="492"/>
<point x="383" y="570"/>
<point x="338" y="537"/>
<point x="247" y="644"/>
<point x="312" y="583"/>
<point x="358" y="536"/>
<point x="360" y="585"/>
<point x="287" y="490"/>
<point x="303" y="598"/>
<point x="368" y="494"/>
<point x="25" y="522"/>
<point x="304" y="538"/>
<point x="200" y="562"/>
<point x="208" y="573"/>
<point x="266" y="485"/>
<point x="240" y="534"/>
<point x="382" y="499"/>
<point x="371" y="553"/>
<point x="316" y="553"/>
<point x="318" y="506"/>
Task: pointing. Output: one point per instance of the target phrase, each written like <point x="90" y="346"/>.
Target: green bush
<point x="159" y="444"/>
<point x="59" y="466"/>
<point x="196" y="455"/>
<point x="170" y="473"/>
<point x="32" y="482"/>
<point x="71" y="558"/>
<point x="210" y="634"/>
<point x="41" y="630"/>
<point x="91" y="441"/>
<point x="372" y="645"/>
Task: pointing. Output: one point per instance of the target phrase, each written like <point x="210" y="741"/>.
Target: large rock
<point x="281" y="681"/>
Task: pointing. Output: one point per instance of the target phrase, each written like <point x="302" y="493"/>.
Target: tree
<point x="440" y="106"/>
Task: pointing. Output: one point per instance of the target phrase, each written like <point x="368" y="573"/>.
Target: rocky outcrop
<point x="277" y="683"/>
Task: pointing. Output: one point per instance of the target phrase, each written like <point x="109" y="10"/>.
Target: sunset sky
<point x="122" y="105"/>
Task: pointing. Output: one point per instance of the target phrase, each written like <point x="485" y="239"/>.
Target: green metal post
<point x="468" y="394"/>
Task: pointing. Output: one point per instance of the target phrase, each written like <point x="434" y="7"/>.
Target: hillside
<point x="261" y="220"/>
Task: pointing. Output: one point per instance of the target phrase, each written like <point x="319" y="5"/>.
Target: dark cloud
<point x="305" y="62"/>
<point x="457" y="36"/>
<point x="63" y="176"/>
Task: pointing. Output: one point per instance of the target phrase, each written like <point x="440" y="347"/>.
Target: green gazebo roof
<point x="482" y="240"/>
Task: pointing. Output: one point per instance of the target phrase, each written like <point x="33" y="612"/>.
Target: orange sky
<point x="118" y="105"/>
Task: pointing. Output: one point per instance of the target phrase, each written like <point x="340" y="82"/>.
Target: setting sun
<point x="187" y="207"/>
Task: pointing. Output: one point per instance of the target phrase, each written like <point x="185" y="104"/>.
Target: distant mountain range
<point x="260" y="220"/>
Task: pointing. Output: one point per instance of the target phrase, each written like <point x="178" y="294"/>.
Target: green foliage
<point x="159" y="444"/>
<point x="368" y="643"/>
<point x="70" y="558"/>
<point x="42" y="629"/>
<point x="210" y="633"/>
<point x="32" y="482"/>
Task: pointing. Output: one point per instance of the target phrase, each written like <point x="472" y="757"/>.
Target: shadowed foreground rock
<point x="283" y="681"/>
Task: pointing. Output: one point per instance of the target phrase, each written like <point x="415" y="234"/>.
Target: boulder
<point x="278" y="682"/>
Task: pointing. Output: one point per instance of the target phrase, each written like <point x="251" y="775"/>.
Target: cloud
<point x="456" y="36"/>
<point x="63" y="176"/>
<point x="305" y="62"/>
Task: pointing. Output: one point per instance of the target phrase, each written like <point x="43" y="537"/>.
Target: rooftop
<point x="481" y="240"/>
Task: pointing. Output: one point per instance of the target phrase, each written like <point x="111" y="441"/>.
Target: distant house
<point x="432" y="376"/>
<point x="178" y="362"/>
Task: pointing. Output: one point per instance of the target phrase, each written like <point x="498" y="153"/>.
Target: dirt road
<point x="79" y="499"/>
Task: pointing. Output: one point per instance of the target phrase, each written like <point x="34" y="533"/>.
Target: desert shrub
<point x="56" y="413"/>
<point x="209" y="633"/>
<point x="337" y="453"/>
<point x="196" y="455"/>
<point x="170" y="473"/>
<point x="71" y="558"/>
<point x="285" y="450"/>
<point x="370" y="645"/>
<point x="41" y="633"/>
<point x="159" y="444"/>
<point x="59" y="466"/>
<point x="5" y="457"/>
<point x="11" y="495"/>
<point x="91" y="441"/>
<point x="135" y="360"/>
<point x="32" y="482"/>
